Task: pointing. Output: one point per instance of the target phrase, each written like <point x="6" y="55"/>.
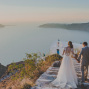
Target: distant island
<point x="73" y="26"/>
<point x="2" y="25"/>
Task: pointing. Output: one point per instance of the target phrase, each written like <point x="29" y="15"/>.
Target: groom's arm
<point x="79" y="57"/>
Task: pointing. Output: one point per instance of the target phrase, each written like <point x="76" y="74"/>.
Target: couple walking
<point x="67" y="78"/>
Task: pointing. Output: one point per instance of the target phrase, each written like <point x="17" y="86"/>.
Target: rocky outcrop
<point x="56" y="64"/>
<point x="2" y="70"/>
<point x="4" y="74"/>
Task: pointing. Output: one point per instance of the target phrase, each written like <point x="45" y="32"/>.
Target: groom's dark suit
<point x="84" y="56"/>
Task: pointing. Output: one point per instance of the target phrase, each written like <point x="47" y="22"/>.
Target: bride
<point x="66" y="77"/>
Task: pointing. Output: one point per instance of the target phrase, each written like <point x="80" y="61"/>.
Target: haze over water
<point x="17" y="40"/>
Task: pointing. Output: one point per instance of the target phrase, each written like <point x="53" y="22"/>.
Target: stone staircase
<point x="47" y="77"/>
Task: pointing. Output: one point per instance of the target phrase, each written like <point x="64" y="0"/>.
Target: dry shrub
<point x="30" y="70"/>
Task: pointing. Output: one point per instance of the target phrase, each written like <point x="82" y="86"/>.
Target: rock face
<point x="73" y="26"/>
<point x="56" y="64"/>
<point x="2" y="70"/>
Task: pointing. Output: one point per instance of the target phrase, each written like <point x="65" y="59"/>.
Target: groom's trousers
<point x="84" y="69"/>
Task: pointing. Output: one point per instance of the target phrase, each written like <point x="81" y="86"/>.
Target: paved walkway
<point x="47" y="77"/>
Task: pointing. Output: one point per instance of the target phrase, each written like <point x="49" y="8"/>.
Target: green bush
<point x="31" y="68"/>
<point x="14" y="67"/>
<point x="52" y="58"/>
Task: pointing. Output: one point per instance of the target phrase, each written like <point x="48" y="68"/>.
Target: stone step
<point x="45" y="87"/>
<point x="53" y="68"/>
<point x="51" y="74"/>
<point x="78" y="64"/>
<point x="47" y="77"/>
<point x="42" y="82"/>
<point x="55" y="71"/>
<point x="86" y="84"/>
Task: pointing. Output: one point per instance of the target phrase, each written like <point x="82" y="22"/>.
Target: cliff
<point x="73" y="26"/>
<point x="2" y="69"/>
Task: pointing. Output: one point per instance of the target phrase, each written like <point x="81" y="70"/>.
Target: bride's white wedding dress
<point x="66" y="77"/>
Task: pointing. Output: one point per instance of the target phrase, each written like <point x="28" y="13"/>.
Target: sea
<point x="18" y="39"/>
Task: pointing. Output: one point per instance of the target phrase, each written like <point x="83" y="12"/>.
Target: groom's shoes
<point x="82" y="85"/>
<point x="86" y="79"/>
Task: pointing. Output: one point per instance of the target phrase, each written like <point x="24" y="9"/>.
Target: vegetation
<point x="74" y="26"/>
<point x="31" y="68"/>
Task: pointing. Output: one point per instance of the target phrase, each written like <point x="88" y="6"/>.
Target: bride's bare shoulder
<point x="68" y="48"/>
<point x="65" y="48"/>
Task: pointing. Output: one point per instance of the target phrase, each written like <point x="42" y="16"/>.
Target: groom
<point x="84" y="56"/>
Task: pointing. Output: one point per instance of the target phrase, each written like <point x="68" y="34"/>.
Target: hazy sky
<point x="12" y="11"/>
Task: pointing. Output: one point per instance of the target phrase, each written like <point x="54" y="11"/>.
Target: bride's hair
<point x="70" y="44"/>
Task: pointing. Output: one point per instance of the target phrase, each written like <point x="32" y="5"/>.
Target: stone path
<point x="47" y="77"/>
